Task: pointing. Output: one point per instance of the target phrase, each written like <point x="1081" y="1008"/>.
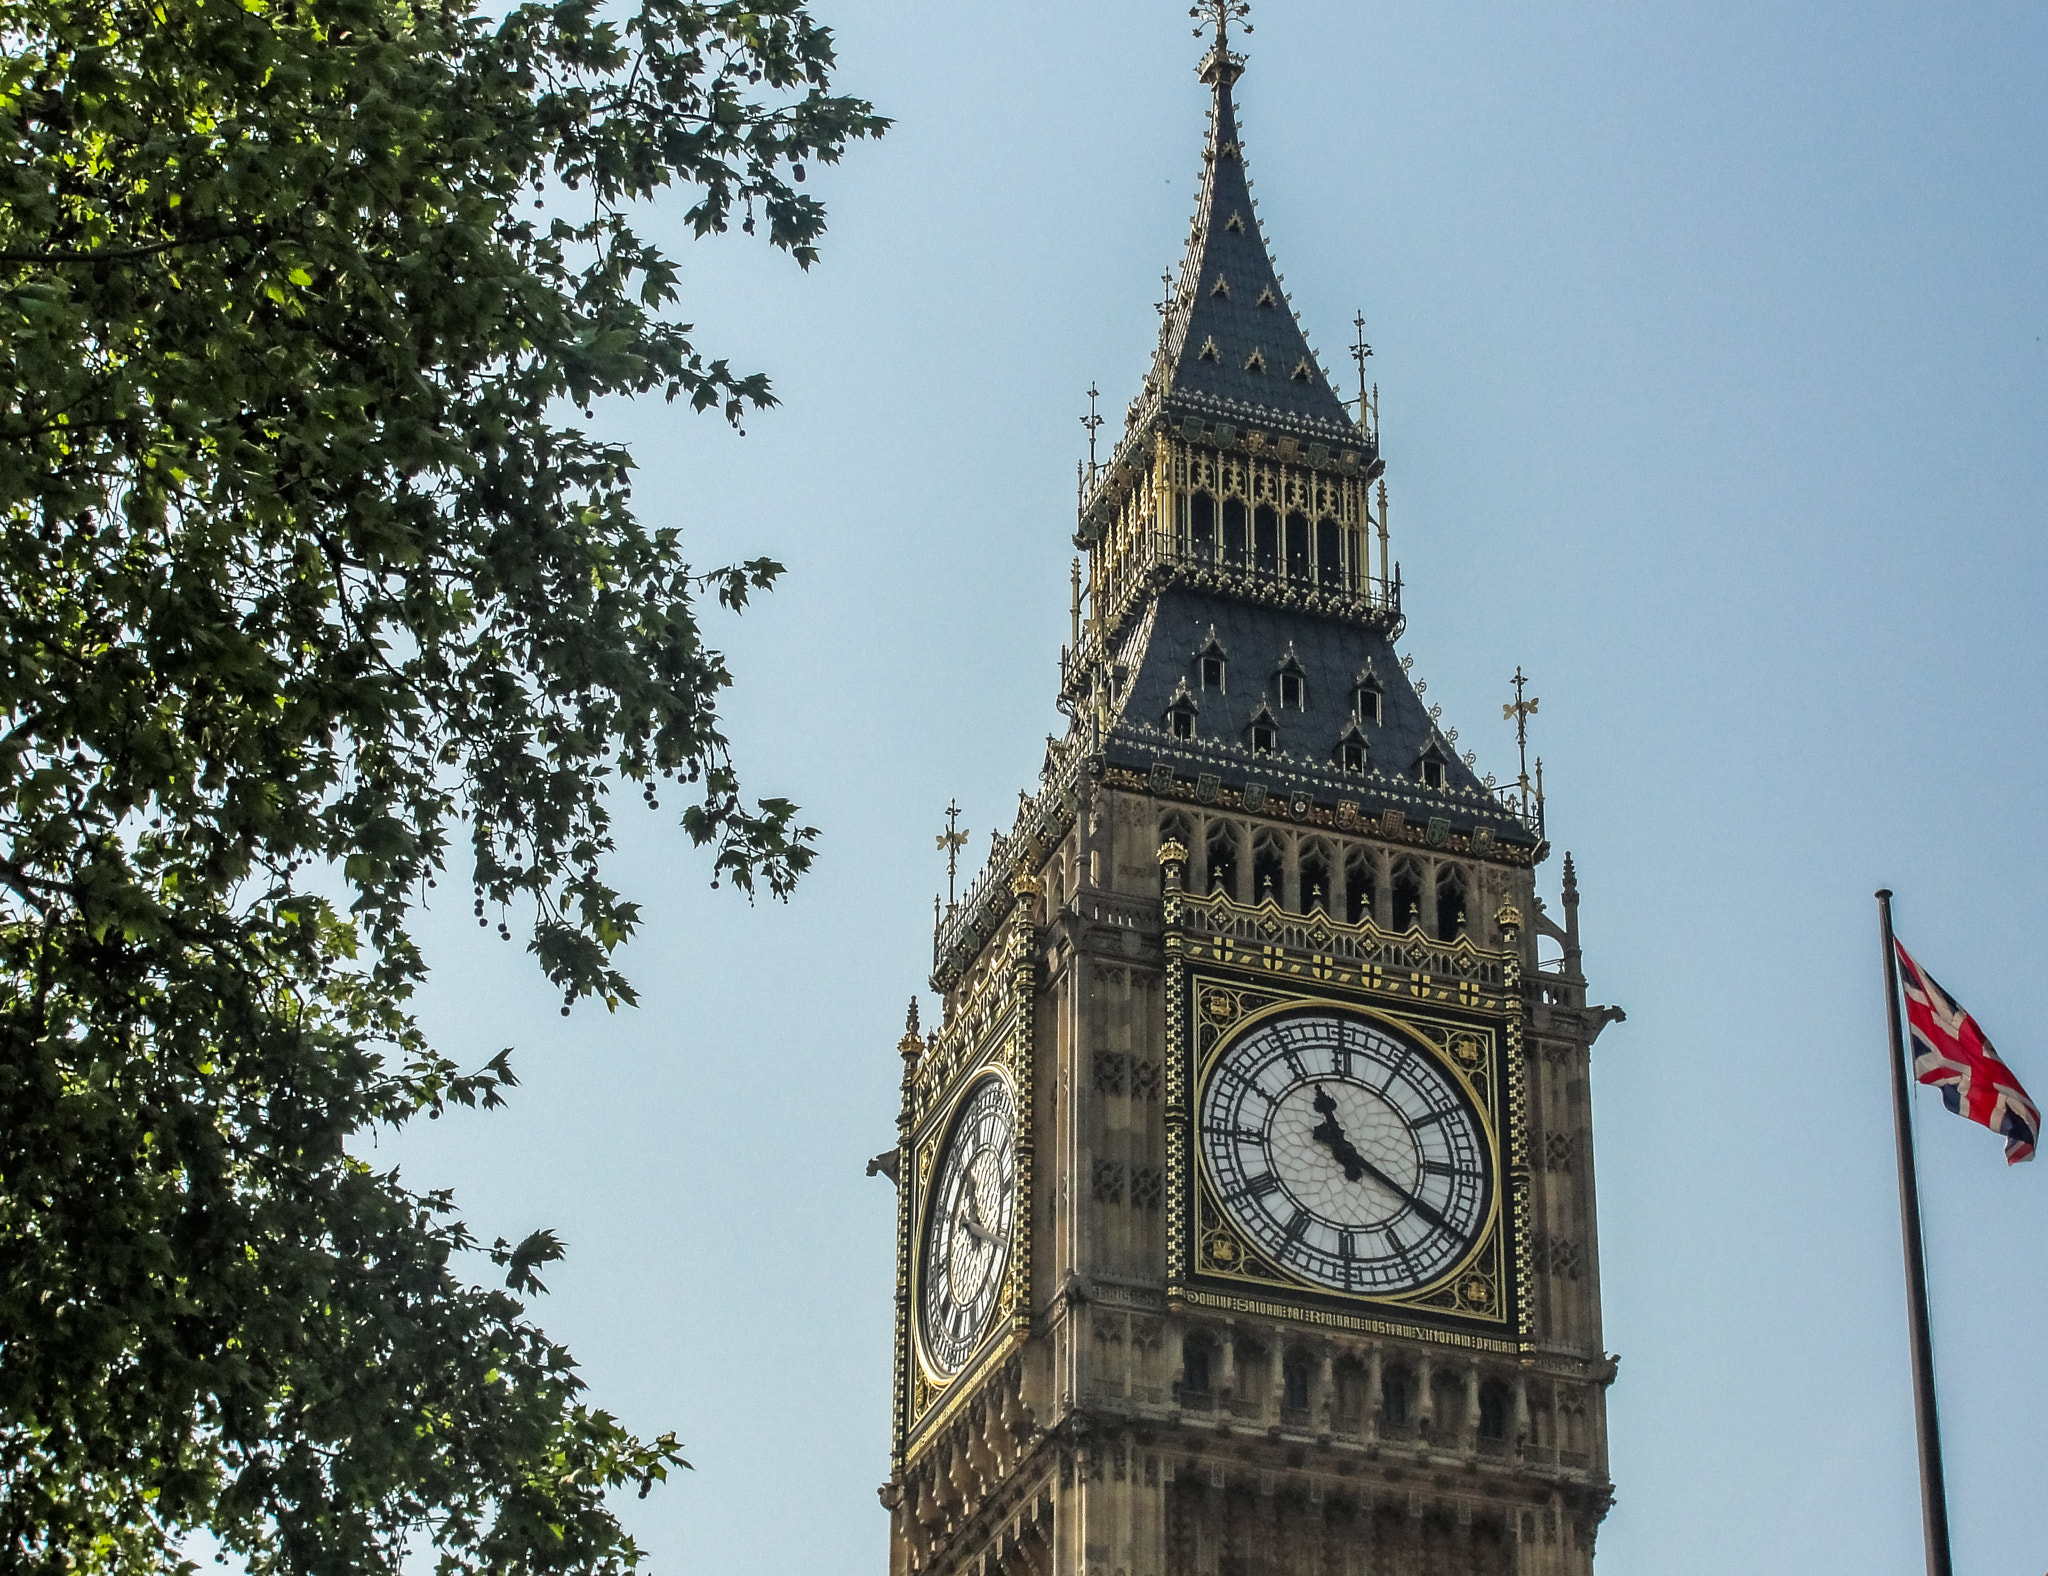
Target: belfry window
<point x="1407" y="894"/>
<point x="1266" y="540"/>
<point x="1235" y="526"/>
<point x="1297" y="547"/>
<point x="1329" y="555"/>
<point x="1202" y="528"/>
<point x="1315" y="879"/>
<point x="1269" y="869"/>
<point x="1450" y="902"/>
<point x="1361" y="873"/>
<point x="1222" y="854"/>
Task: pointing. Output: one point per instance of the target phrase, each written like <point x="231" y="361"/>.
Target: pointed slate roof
<point x="1231" y="349"/>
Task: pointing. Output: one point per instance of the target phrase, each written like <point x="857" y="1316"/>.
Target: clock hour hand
<point x="968" y="1218"/>
<point x="1330" y="1135"/>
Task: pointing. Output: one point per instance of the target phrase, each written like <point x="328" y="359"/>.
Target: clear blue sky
<point x="1710" y="344"/>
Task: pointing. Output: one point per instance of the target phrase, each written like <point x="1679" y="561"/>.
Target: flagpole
<point x="1933" y="1496"/>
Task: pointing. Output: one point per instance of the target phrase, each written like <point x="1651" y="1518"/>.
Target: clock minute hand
<point x="1345" y="1153"/>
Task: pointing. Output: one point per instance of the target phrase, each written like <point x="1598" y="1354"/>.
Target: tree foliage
<point x="304" y="578"/>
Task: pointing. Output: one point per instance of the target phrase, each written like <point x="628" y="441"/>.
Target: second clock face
<point x="967" y="1225"/>
<point x="1349" y="1156"/>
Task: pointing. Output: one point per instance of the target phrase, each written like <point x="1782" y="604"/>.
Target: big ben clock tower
<point x="1245" y="1198"/>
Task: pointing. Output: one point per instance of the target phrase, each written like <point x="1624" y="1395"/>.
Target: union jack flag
<point x="1950" y="1052"/>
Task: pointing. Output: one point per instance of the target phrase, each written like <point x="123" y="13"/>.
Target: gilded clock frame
<point x="931" y="1153"/>
<point x="1216" y="990"/>
<point x="991" y="1032"/>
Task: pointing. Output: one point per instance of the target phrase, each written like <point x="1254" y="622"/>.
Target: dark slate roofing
<point x="1160" y="654"/>
<point x="1231" y="349"/>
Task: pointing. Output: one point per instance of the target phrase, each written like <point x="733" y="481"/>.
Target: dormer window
<point x="1293" y="682"/>
<point x="1433" y="766"/>
<point x="1350" y="751"/>
<point x="1365" y="696"/>
<point x="1211" y="663"/>
<point x="1264" y="732"/>
<point x="1180" y="713"/>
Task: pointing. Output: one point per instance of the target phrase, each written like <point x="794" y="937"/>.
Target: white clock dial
<point x="968" y="1220"/>
<point x="1349" y="1156"/>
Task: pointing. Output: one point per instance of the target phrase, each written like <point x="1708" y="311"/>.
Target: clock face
<point x="1349" y="1156"/>
<point x="967" y="1226"/>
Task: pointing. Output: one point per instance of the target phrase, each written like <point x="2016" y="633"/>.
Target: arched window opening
<point x="1361" y="880"/>
<point x="1347" y="1405"/>
<point x="1269" y="869"/>
<point x="1294" y="1389"/>
<point x="1447" y="1392"/>
<point x="1173" y="828"/>
<point x="1315" y="879"/>
<point x="1496" y="1407"/>
<point x="1222" y="852"/>
<point x="1397" y="1396"/>
<point x="1202" y="528"/>
<point x="1235" y="546"/>
<point x="1266" y="540"/>
<point x="1194" y="1372"/>
<point x="1406" y="890"/>
<point x="1450" y="902"/>
<point x="1297" y="548"/>
<point x="1329" y="555"/>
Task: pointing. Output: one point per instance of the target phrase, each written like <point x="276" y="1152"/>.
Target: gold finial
<point x="911" y="1046"/>
<point x="1359" y="351"/>
<point x="1173" y="852"/>
<point x="951" y="841"/>
<point x="1507" y="916"/>
<point x="1220" y="65"/>
<point x="1224" y="12"/>
<point x="1521" y="711"/>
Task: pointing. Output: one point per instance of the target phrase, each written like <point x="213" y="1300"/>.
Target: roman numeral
<point x="1440" y="1168"/>
<point x="1431" y="1120"/>
<point x="1298" y="1225"/>
<point x="1254" y="1187"/>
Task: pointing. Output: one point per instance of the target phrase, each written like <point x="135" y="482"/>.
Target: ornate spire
<point x="1230" y="349"/>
